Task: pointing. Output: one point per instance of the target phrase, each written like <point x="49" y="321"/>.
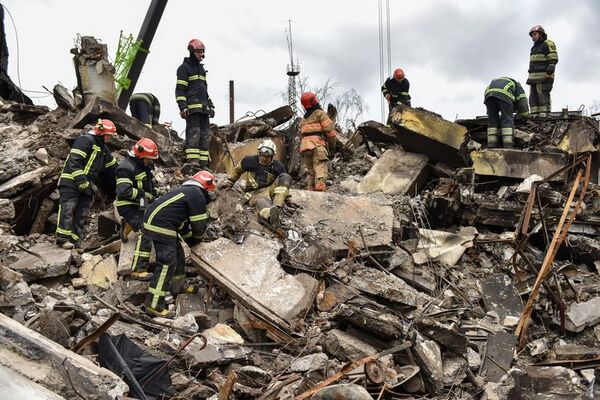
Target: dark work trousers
<point x="72" y="212"/>
<point x="500" y="122"/>
<point x="141" y="255"/>
<point x="169" y="273"/>
<point x="197" y="138"/>
<point x="141" y="110"/>
<point x="539" y="99"/>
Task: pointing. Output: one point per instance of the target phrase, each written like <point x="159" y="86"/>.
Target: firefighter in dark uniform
<point x="195" y="106"/>
<point x="395" y="90"/>
<point x="268" y="183"/>
<point x="502" y="97"/>
<point x="88" y="158"/>
<point x="180" y="213"/>
<point x="135" y="190"/>
<point x="146" y="108"/>
<point x="542" y="63"/>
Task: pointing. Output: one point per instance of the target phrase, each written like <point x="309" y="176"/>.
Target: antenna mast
<point x="292" y="69"/>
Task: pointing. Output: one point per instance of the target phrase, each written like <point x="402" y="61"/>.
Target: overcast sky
<point x="449" y="50"/>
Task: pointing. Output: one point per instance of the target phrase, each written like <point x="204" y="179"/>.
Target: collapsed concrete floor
<point x="409" y="278"/>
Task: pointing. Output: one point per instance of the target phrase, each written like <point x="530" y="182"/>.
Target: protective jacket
<point x="259" y="176"/>
<point x="180" y="211"/>
<point x="191" y="91"/>
<point x="397" y="90"/>
<point x="134" y="181"/>
<point x="315" y="128"/>
<point x="542" y="61"/>
<point x="509" y="91"/>
<point x="153" y="106"/>
<point x="89" y="156"/>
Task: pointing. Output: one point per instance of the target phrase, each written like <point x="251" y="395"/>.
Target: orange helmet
<point x="206" y="180"/>
<point x="105" y="127"/>
<point x="308" y="100"/>
<point x="536" y="28"/>
<point x="145" y="148"/>
<point x="399" y="74"/>
<point x="196" y="44"/>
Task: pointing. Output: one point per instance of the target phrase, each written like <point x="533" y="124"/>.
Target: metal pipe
<point x="231" y="103"/>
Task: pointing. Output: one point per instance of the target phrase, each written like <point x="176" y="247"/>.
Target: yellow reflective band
<point x="248" y="196"/>
<point x="537" y="75"/>
<point x="124" y="181"/>
<point x="134" y="193"/>
<point x="142" y="254"/>
<point x="119" y="203"/>
<point x="158" y="229"/>
<point x="79" y="152"/>
<point x="192" y="151"/>
<point x="507" y="131"/>
<point x="196" y="105"/>
<point x="182" y="82"/>
<point x="538" y="57"/>
<point x="140" y="176"/>
<point x="163" y="205"/>
<point x="158" y="292"/>
<point x="199" y="217"/>
<point x="192" y="156"/>
<point x="88" y="166"/>
<point x="403" y="93"/>
<point x="180" y="98"/>
<point x="111" y="163"/>
<point x="280" y="189"/>
<point x="187" y="235"/>
<point x="135" y="253"/>
<point x="196" y="77"/>
<point x="204" y="152"/>
<point x="77" y="173"/>
<point x="504" y="92"/>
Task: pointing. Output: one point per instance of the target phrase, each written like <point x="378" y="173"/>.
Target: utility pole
<point x="292" y="70"/>
<point x="231" y="103"/>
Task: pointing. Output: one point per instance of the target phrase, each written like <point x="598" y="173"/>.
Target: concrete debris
<point x="98" y="271"/>
<point x="42" y="260"/>
<point x="581" y="315"/>
<point x="501" y="296"/>
<point x="346" y="347"/>
<point x="310" y="362"/>
<point x="354" y="392"/>
<point x="445" y="247"/>
<point x="516" y="163"/>
<point x="549" y="382"/>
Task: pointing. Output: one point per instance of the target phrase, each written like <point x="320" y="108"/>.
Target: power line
<point x="18" y="52"/>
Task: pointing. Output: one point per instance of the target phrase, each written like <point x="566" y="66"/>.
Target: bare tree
<point x="593" y="108"/>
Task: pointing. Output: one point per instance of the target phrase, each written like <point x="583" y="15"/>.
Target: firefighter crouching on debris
<point x="395" y="90"/>
<point x="316" y="128"/>
<point x="268" y="183"/>
<point x="181" y="212"/>
<point x="502" y="97"/>
<point x="88" y="158"/>
<point x="135" y="190"/>
<point x="542" y="63"/>
<point x="195" y="106"/>
<point x="146" y="108"/>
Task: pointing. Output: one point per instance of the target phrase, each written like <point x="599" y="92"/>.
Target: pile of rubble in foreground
<point x="431" y="268"/>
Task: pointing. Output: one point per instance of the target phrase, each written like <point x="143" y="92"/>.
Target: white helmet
<point x="267" y="147"/>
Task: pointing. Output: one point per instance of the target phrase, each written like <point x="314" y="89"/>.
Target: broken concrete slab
<point x="445" y="247"/>
<point x="310" y="362"/>
<point x="513" y="163"/>
<point x="500" y="295"/>
<point x="581" y="315"/>
<point x="7" y="210"/>
<point x="549" y="383"/>
<point x="572" y="351"/>
<point x="24" y="181"/>
<point x="346" y="347"/>
<point x="396" y="172"/>
<point x="446" y="335"/>
<point x="43" y="260"/>
<point x="98" y="271"/>
<point x="424" y="132"/>
<point x="342" y="391"/>
<point x="371" y="319"/>
<point x="377" y="132"/>
<point x="252" y="376"/>
<point x="498" y="355"/>
<point x="252" y="274"/>
<point x="580" y="137"/>
<point x="126" y="254"/>
<point x="8" y="277"/>
<point x="95" y="74"/>
<point x="337" y="219"/>
<point x="224" y="345"/>
<point x="428" y="356"/>
<point x="15" y="386"/>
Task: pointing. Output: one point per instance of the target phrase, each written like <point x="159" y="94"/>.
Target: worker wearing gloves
<point x="268" y="183"/>
<point x="180" y="213"/>
<point x="88" y="158"/>
<point x="195" y="106"/>
<point x="135" y="190"/>
<point x="395" y="90"/>
<point x="542" y="63"/>
<point x="318" y="141"/>
<point x="502" y="97"/>
<point x="146" y="108"/>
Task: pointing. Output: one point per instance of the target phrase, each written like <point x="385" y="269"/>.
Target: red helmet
<point x="105" y="127"/>
<point x="308" y="100"/>
<point x="206" y="180"/>
<point x="399" y="74"/>
<point x="145" y="148"/>
<point x="196" y="44"/>
<point x="537" y="28"/>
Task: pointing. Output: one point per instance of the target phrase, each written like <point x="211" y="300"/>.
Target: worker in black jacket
<point x="146" y="108"/>
<point x="195" y="106"/>
<point x="135" y="190"/>
<point x="501" y="98"/>
<point x="542" y="64"/>
<point x="180" y="213"/>
<point x="88" y="158"/>
<point x="395" y="90"/>
<point x="268" y="182"/>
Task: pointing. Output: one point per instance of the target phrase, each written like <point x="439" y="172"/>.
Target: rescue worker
<point x="318" y="141"/>
<point x="88" y="158"/>
<point x="180" y="213"/>
<point x="502" y="97"/>
<point x="146" y="108"/>
<point x="395" y="90"/>
<point x="268" y="183"/>
<point x="135" y="190"/>
<point x="542" y="63"/>
<point x="195" y="106"/>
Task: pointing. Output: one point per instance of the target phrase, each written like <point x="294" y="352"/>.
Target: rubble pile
<point x="431" y="268"/>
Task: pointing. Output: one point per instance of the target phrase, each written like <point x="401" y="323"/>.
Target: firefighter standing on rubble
<point x="180" y="213"/>
<point x="542" y="63"/>
<point x="268" y="183"/>
<point x="88" y="158"/>
<point x="195" y="106"/>
<point x="146" y="108"/>
<point x="395" y="90"/>
<point x="502" y="97"/>
<point x="318" y="141"/>
<point x="135" y="190"/>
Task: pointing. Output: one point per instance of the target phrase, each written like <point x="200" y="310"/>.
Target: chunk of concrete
<point x="15" y="386"/>
<point x="310" y="362"/>
<point x="337" y="219"/>
<point x="377" y="132"/>
<point x="396" y="172"/>
<point x="251" y="273"/>
<point x="43" y="260"/>
<point x="346" y="347"/>
<point x="126" y="254"/>
<point x="7" y="210"/>
<point x="22" y="182"/>
<point x="8" y="277"/>
<point x="446" y="335"/>
<point x="428" y="356"/>
<point x="424" y="132"/>
<point x="224" y="345"/>
<point x="573" y="351"/>
<point x="252" y="376"/>
<point x="18" y="294"/>
<point x="512" y="163"/>
<point x="580" y="137"/>
<point x="581" y="315"/>
<point x="342" y="391"/>
<point x="99" y="271"/>
<point x="499" y="294"/>
<point x="548" y="383"/>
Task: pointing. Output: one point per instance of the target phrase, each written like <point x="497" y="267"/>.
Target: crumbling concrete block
<point x="580" y="137"/>
<point x="443" y="334"/>
<point x="252" y="376"/>
<point x="310" y="362"/>
<point x="581" y="315"/>
<point x="99" y="271"/>
<point x="252" y="274"/>
<point x="224" y="345"/>
<point x="342" y="391"/>
<point x="15" y="386"/>
<point x="22" y="182"/>
<point x="346" y="347"/>
<point x="499" y="294"/>
<point x="498" y="356"/>
<point x="396" y="172"/>
<point x="428" y="356"/>
<point x="43" y="260"/>
<point x="512" y="163"/>
<point x="8" y="277"/>
<point x="548" y="383"/>
<point x="7" y="210"/>
<point x="377" y="132"/>
<point x="576" y="352"/>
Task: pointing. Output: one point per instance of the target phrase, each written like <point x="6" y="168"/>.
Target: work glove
<point x="388" y="98"/>
<point x="549" y="76"/>
<point x="86" y="188"/>
<point x="184" y="113"/>
<point x="149" y="197"/>
<point x="211" y="112"/>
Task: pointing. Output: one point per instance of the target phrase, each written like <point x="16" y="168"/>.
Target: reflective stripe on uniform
<point x="199" y="217"/>
<point x="280" y="189"/>
<point x="196" y="77"/>
<point x="88" y="166"/>
<point x="79" y="152"/>
<point x="121" y="181"/>
<point x="182" y="82"/>
<point x="158" y="292"/>
<point x="110" y="163"/>
<point x="119" y="203"/>
<point x="195" y="105"/>
<point x="180" y="98"/>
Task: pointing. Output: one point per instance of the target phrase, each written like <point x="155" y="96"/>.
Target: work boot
<point x="141" y="275"/>
<point x="274" y="216"/>
<point x="66" y="245"/>
<point x="320" y="187"/>
<point x="158" y="312"/>
<point x="190" y="288"/>
<point x="125" y="230"/>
